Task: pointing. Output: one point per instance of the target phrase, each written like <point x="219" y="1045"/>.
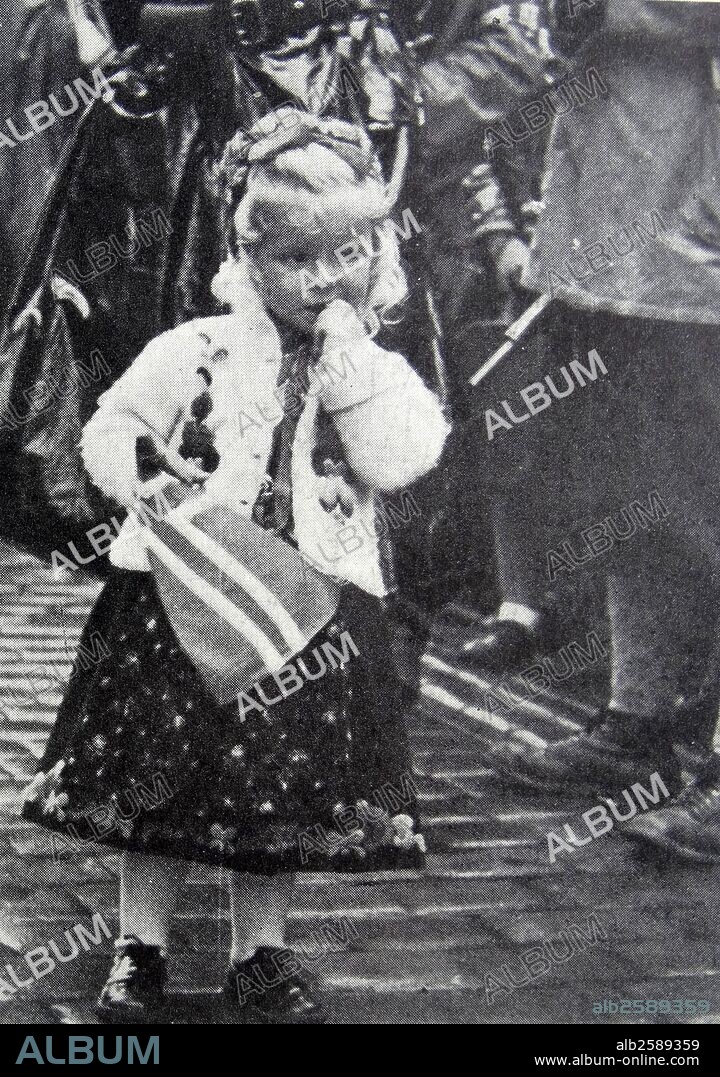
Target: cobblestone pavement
<point x="442" y="948"/>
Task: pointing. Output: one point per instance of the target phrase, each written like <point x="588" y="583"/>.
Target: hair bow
<point x="290" y="128"/>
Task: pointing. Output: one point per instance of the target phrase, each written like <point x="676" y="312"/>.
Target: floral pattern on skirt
<point x="142" y="757"/>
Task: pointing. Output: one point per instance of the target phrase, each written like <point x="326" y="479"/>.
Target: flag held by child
<point x="241" y="601"/>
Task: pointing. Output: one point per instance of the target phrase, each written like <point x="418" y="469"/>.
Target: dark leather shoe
<point x="502" y="646"/>
<point x="689" y="828"/>
<point x="135" y="989"/>
<point x="619" y="750"/>
<point x="268" y="989"/>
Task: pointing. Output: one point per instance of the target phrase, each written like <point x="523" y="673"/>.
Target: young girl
<point x="142" y="757"/>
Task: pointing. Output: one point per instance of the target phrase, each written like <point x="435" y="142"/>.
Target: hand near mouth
<point x="338" y="324"/>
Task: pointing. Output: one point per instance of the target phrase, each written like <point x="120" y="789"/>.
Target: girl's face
<point x="313" y="256"/>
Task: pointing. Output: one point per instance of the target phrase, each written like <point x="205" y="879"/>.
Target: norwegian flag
<point x="241" y="601"/>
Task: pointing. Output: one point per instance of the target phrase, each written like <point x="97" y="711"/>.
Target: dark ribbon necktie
<point x="273" y="509"/>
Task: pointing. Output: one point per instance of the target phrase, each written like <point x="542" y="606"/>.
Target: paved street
<point x="441" y="948"/>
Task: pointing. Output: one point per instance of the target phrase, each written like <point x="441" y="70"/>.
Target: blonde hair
<point x="315" y="169"/>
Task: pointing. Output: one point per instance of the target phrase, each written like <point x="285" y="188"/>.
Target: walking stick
<point x="513" y="334"/>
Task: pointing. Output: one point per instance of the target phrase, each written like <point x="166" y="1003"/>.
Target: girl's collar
<point x="290" y="338"/>
<point x="296" y="347"/>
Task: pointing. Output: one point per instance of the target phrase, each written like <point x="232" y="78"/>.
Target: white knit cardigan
<point x="390" y="425"/>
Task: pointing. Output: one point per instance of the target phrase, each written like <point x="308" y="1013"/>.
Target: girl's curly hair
<point x="290" y="153"/>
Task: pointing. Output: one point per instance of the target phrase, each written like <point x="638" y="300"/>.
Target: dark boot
<point x="267" y="989"/>
<point x="135" y="989"/>
<point x="689" y="827"/>
<point x="506" y="646"/>
<point x="617" y="751"/>
<point x="502" y="646"/>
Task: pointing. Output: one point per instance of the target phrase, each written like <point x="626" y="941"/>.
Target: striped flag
<point x="241" y="601"/>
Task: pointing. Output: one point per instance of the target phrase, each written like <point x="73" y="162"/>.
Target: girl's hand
<point x="162" y="488"/>
<point x="189" y="474"/>
<point x="155" y="458"/>
<point x="338" y="324"/>
<point x="185" y="470"/>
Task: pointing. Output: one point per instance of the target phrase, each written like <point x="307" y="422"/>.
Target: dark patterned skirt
<point x="142" y="758"/>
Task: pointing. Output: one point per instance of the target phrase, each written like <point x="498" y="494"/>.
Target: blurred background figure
<point x="628" y="245"/>
<point x="482" y="66"/>
<point x="38" y="56"/>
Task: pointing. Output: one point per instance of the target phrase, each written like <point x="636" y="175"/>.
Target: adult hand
<point x="511" y="264"/>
